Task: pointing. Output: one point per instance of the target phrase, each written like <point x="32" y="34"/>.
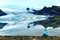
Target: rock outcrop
<point x="2" y="13"/>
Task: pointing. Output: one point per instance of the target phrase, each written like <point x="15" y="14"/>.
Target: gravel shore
<point x="28" y="38"/>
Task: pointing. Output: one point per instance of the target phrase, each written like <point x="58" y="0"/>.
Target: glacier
<point x="17" y="25"/>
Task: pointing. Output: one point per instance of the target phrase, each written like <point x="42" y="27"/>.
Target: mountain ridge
<point x="54" y="10"/>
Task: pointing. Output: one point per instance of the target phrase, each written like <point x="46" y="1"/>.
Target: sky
<point x="21" y="4"/>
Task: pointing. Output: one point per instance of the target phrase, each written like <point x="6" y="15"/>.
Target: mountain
<point x="54" y="10"/>
<point x="2" y="13"/>
<point x="52" y="21"/>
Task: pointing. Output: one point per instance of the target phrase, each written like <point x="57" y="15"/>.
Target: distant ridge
<point x="54" y="10"/>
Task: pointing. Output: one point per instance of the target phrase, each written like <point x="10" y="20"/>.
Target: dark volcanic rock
<point x="54" y="10"/>
<point x="46" y="23"/>
<point x="2" y="25"/>
<point x="2" y="13"/>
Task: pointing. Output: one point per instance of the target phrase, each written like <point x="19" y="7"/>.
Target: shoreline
<point x="29" y="38"/>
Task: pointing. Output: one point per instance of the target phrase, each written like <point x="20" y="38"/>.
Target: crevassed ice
<point x="23" y="17"/>
<point x="19" y="28"/>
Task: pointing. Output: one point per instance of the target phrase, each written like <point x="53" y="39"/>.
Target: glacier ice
<point x="22" y="31"/>
<point x="17" y="25"/>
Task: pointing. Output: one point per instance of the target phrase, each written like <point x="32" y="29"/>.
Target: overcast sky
<point x="21" y="4"/>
